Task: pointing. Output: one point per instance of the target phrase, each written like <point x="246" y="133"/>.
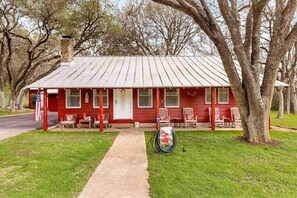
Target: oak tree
<point x="253" y="95"/>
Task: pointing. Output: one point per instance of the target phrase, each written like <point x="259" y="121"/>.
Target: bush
<point x="33" y="101"/>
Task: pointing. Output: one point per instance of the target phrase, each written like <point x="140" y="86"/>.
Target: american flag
<point x="37" y="113"/>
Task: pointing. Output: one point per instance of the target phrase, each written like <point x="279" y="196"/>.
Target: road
<point x="14" y="125"/>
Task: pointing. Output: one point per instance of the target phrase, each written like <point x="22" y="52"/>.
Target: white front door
<point x="122" y="103"/>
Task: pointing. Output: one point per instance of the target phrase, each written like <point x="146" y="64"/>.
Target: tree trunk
<point x="256" y="126"/>
<point x="280" y="102"/>
<point x="288" y="101"/>
<point x="22" y="100"/>
<point x="13" y="100"/>
<point x="2" y="98"/>
<point x="2" y="94"/>
<point x="294" y="99"/>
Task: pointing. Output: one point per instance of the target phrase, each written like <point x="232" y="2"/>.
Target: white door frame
<point x="114" y="105"/>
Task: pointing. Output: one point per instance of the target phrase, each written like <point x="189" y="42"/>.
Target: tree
<point x="288" y="71"/>
<point x="252" y="95"/>
<point x="146" y="28"/>
<point x="2" y="73"/>
<point x="30" y="32"/>
<point x="287" y="68"/>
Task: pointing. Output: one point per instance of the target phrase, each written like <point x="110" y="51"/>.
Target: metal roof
<point x="138" y="72"/>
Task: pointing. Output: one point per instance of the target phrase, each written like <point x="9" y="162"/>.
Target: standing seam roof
<point x="139" y="72"/>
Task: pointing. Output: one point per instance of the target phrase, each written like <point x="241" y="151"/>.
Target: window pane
<point x="105" y="98"/>
<point x="144" y="92"/>
<point x="223" y="93"/>
<point x="171" y="101"/>
<point x="171" y="92"/>
<point x="72" y="92"/>
<point x="145" y="97"/>
<point x="96" y="101"/>
<point x="105" y="101"/>
<point x="72" y="98"/>
<point x="208" y="95"/>
<point x="145" y="101"/>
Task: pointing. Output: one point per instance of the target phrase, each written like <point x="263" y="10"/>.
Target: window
<point x="96" y="98"/>
<point x="223" y="95"/>
<point x="208" y="96"/>
<point x="172" y="97"/>
<point x="145" y="98"/>
<point x="72" y="98"/>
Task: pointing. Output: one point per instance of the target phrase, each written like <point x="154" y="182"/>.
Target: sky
<point x="120" y="3"/>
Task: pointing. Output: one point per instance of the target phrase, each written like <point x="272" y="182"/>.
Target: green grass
<point x="217" y="164"/>
<point x="7" y="112"/>
<point x="49" y="164"/>
<point x="289" y="120"/>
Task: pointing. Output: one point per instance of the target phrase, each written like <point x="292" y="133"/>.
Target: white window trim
<point x="178" y="99"/>
<point x="219" y="99"/>
<point x="205" y="100"/>
<point x="152" y="101"/>
<point x="66" y="101"/>
<point x="104" y="107"/>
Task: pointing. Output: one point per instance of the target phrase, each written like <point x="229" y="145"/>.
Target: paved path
<point x="123" y="171"/>
<point x="283" y="129"/>
<point x="14" y="125"/>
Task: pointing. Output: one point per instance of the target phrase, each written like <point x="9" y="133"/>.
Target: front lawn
<point x="50" y="164"/>
<point x="7" y="112"/>
<point x="289" y="120"/>
<point x="217" y="164"/>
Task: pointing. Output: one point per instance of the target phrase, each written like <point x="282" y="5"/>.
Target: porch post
<point x="45" y="124"/>
<point x="157" y="107"/>
<point x="101" y="109"/>
<point x="213" y="126"/>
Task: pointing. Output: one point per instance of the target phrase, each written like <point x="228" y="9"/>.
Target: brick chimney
<point x="67" y="51"/>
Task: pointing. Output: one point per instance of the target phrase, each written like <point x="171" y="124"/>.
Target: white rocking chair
<point x="164" y="118"/>
<point x="235" y="116"/>
<point x="218" y="120"/>
<point x="189" y="118"/>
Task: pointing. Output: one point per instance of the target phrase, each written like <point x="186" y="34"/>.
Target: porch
<point x="127" y="107"/>
<point x="116" y="129"/>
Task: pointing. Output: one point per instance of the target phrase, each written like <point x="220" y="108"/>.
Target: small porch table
<point x="82" y="121"/>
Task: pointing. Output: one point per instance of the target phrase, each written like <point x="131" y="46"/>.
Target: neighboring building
<point x="134" y="87"/>
<point x="52" y="95"/>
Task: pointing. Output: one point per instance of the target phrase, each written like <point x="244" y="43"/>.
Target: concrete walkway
<point x="283" y="129"/>
<point x="123" y="171"/>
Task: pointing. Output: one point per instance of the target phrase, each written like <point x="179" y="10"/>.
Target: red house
<point x="132" y="89"/>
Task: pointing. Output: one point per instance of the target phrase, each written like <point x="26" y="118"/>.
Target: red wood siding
<point x="52" y="102"/>
<point x="148" y="115"/>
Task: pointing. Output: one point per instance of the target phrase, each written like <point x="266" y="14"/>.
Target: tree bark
<point x="13" y="98"/>
<point x="288" y="100"/>
<point x="22" y="100"/>
<point x="294" y="99"/>
<point x="2" y="97"/>
<point x="256" y="131"/>
<point x="280" y="102"/>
